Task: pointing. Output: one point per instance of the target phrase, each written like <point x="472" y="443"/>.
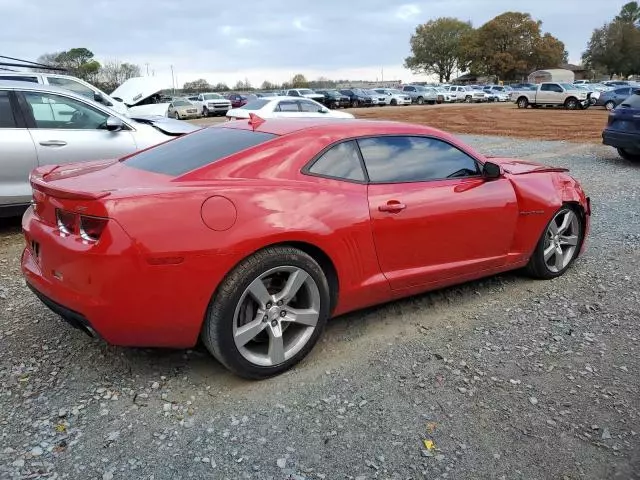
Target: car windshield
<point x="255" y="104"/>
<point x="305" y="91"/>
<point x="181" y="103"/>
<point x="212" y="96"/>
<point x="333" y="93"/>
<point x="394" y="91"/>
<point x="196" y="150"/>
<point x="569" y="86"/>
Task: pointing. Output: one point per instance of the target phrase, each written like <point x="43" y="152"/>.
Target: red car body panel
<point x="170" y="241"/>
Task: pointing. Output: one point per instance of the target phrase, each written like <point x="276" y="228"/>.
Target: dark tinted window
<point x="196" y="150"/>
<point x="414" y="159"/>
<point x="287" y="106"/>
<point x="19" y="78"/>
<point x="623" y="91"/>
<point x="255" y="105"/>
<point x="341" y="161"/>
<point x="7" y="120"/>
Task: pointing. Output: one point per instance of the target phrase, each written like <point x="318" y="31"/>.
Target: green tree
<point x="197" y="86"/>
<point x="436" y="47"/>
<point x="614" y="49"/>
<point x="220" y="87"/>
<point x="78" y="62"/>
<point x="630" y="13"/>
<point x="299" y="81"/>
<point x="511" y="46"/>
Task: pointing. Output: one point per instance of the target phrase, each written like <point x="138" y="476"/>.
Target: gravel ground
<point x="505" y="378"/>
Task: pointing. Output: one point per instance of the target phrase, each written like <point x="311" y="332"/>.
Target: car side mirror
<point x="114" y="124"/>
<point x="491" y="170"/>
<point x="323" y="110"/>
<point x="97" y="96"/>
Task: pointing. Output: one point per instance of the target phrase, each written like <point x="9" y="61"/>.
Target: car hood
<point x="515" y="166"/>
<point x="168" y="126"/>
<point x="137" y="89"/>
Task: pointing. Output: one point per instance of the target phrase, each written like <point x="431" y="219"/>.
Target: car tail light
<point x="66" y="222"/>
<point x="92" y="227"/>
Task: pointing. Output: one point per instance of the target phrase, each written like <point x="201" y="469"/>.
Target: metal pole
<point x="173" y="80"/>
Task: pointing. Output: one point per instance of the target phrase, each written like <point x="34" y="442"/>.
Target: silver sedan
<point x="46" y="125"/>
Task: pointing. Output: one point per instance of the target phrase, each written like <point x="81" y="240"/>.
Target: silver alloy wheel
<point x="561" y="240"/>
<point x="610" y="105"/>
<point x="276" y="316"/>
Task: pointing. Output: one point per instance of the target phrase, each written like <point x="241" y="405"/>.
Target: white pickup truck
<point x="554" y="95"/>
<point x="211" y="104"/>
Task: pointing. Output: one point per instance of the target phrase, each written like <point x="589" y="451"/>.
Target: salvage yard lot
<point x="504" y="119"/>
<point x="511" y="378"/>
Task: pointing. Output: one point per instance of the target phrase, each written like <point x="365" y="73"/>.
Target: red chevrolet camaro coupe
<point x="251" y="234"/>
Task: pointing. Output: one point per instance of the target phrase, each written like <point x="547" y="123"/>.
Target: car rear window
<point x="255" y="105"/>
<point x="632" y="101"/>
<point x="196" y="150"/>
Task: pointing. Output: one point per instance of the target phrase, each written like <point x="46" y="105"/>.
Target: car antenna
<point x="255" y="121"/>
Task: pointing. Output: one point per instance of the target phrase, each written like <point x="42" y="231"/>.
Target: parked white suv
<point x="306" y="93"/>
<point x="211" y="104"/>
<point x="68" y="82"/>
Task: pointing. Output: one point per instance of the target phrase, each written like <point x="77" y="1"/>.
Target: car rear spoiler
<point x="38" y="181"/>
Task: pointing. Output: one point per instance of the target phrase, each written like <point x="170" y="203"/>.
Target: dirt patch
<point x="501" y="119"/>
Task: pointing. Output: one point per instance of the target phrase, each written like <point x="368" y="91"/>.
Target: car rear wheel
<point x="631" y="155"/>
<point x="523" y="102"/>
<point x="610" y="105"/>
<point x="355" y="103"/>
<point x="558" y="246"/>
<point x="420" y="100"/>
<point x="268" y="313"/>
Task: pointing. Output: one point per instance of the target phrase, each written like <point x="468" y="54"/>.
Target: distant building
<point x="579" y="72"/>
<point x="552" y="75"/>
<point x="370" y="84"/>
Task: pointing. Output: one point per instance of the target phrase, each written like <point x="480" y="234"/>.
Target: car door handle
<point x="392" y="206"/>
<point x="53" y="143"/>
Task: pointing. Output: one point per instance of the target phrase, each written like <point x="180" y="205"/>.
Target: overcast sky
<point x="267" y="39"/>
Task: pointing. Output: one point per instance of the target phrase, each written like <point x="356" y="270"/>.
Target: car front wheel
<point x="610" y="105"/>
<point x="558" y="246"/>
<point x="268" y="313"/>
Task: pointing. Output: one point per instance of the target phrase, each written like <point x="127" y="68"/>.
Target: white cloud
<point x="408" y="11"/>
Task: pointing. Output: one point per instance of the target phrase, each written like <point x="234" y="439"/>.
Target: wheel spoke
<point x="566" y="221"/>
<point x="248" y="332"/>
<point x="559" y="260"/>
<point x="553" y="228"/>
<point x="276" y="344"/>
<point x="259" y="292"/>
<point x="294" y="283"/>
<point x="307" y="316"/>
<point x="548" y="253"/>
<point x="569" y="240"/>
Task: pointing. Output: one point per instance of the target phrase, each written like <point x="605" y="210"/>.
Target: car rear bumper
<point x="619" y="139"/>
<point x="109" y="290"/>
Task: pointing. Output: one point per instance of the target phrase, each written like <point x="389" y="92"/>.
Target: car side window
<point x="72" y="85"/>
<point x="340" y="161"/>
<point x="623" y="91"/>
<point x="55" y="111"/>
<point x="19" y="78"/>
<point x="287" y="106"/>
<point x="306" y="106"/>
<point x="394" y="159"/>
<point x="7" y="119"/>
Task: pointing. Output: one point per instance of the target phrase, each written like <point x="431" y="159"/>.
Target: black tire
<point x="394" y="102"/>
<point x="571" y="103"/>
<point x="468" y="99"/>
<point x="537" y="267"/>
<point x="205" y="112"/>
<point x="176" y="116"/>
<point x="355" y="104"/>
<point x="523" y="102"/>
<point x="630" y="155"/>
<point x="610" y="105"/>
<point x="217" y="331"/>
<point x="420" y="101"/>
